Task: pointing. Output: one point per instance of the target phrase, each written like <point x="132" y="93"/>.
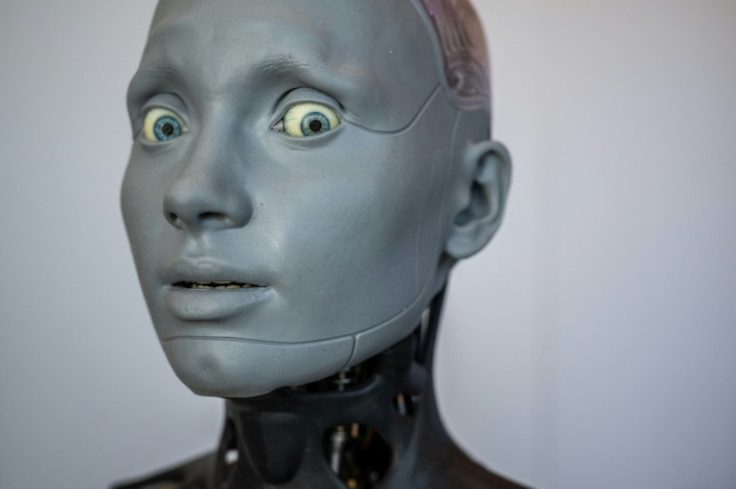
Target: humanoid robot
<point x="303" y="177"/>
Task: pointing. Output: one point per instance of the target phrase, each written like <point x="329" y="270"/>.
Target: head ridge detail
<point x="464" y="53"/>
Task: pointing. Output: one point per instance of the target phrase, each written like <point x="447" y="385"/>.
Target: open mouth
<point x="218" y="285"/>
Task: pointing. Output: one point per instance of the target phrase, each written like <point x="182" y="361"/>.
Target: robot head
<point x="303" y="177"/>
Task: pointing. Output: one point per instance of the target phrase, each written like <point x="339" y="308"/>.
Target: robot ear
<point x="483" y="198"/>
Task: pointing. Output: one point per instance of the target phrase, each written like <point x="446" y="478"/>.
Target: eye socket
<point x="162" y="125"/>
<point x="309" y="119"/>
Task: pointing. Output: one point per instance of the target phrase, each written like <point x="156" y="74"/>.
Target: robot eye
<point x="162" y="125"/>
<point x="309" y="119"/>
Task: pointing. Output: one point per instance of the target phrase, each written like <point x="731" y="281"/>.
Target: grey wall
<point x="591" y="346"/>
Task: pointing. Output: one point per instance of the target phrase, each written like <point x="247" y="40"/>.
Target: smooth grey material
<point x="342" y="237"/>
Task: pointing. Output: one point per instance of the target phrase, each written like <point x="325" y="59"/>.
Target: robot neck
<point x="367" y="424"/>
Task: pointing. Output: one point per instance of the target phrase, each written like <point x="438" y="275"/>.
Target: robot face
<point x="285" y="195"/>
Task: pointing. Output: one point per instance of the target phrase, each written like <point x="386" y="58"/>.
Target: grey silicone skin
<point x="345" y="235"/>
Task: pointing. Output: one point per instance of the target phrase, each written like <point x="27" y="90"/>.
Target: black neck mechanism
<point x="364" y="426"/>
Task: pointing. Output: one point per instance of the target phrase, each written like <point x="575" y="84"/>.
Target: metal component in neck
<point x="346" y="431"/>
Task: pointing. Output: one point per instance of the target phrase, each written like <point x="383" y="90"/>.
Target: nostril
<point x="215" y="220"/>
<point x="172" y="217"/>
<point x="212" y="216"/>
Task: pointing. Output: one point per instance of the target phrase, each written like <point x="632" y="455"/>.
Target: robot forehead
<point x="378" y="60"/>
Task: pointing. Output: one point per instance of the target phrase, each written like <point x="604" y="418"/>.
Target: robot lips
<point x="210" y="301"/>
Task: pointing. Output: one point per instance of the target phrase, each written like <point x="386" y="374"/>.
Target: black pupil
<point x="315" y="126"/>
<point x="167" y="129"/>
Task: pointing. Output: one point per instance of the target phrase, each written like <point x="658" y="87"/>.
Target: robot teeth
<point x="218" y="284"/>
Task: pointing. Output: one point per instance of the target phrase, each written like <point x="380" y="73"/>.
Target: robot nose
<point x="207" y="195"/>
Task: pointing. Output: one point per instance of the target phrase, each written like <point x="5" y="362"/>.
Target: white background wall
<point x="592" y="345"/>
